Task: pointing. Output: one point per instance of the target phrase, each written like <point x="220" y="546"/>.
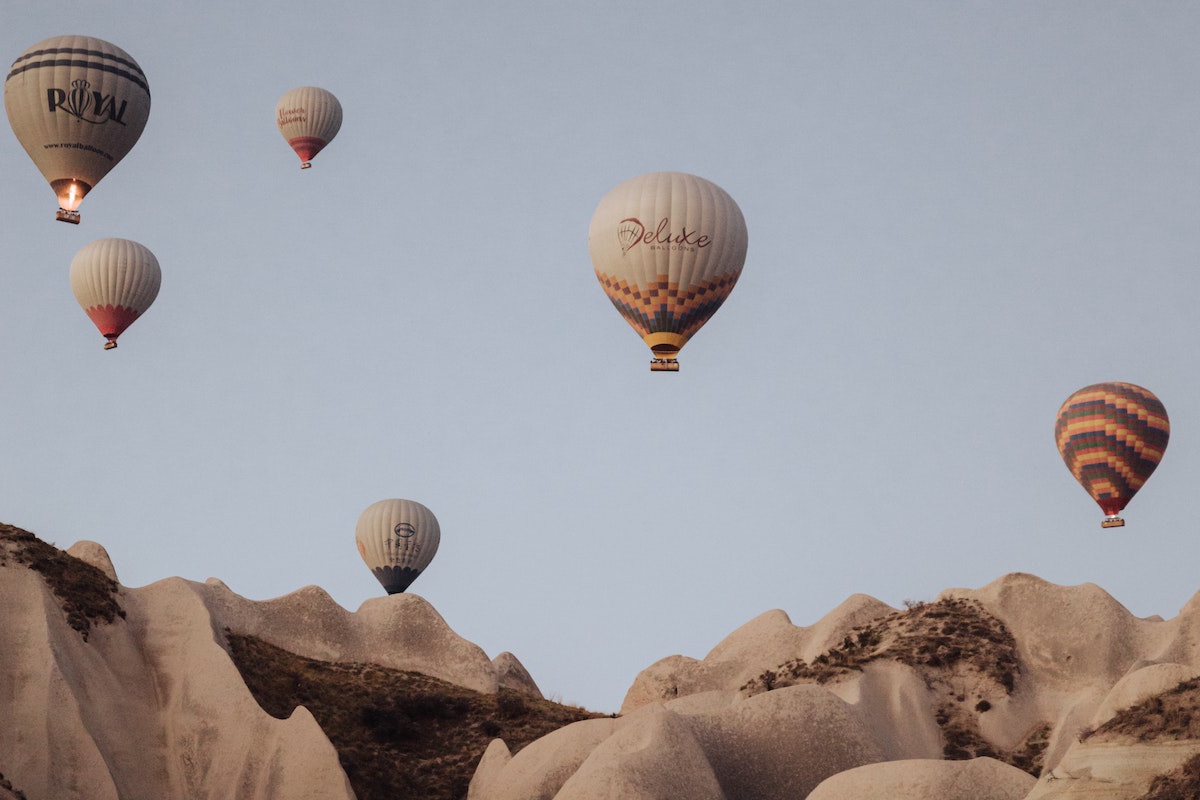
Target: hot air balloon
<point x="397" y="539"/>
<point x="1112" y="436"/>
<point x="308" y="118"/>
<point x="667" y="248"/>
<point x="77" y="105"/>
<point x="115" y="281"/>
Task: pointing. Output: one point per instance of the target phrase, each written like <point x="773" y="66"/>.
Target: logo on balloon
<point x="631" y="232"/>
<point x="404" y="547"/>
<point x="288" y="116"/>
<point x="85" y="104"/>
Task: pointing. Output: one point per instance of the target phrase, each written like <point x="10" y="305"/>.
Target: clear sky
<point x="958" y="214"/>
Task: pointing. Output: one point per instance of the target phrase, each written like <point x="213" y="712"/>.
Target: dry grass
<point x="1030" y="754"/>
<point x="1178" y="784"/>
<point x="17" y="793"/>
<point x="1172" y="715"/>
<point x="962" y="652"/>
<point x="398" y="734"/>
<point x="86" y="594"/>
<point x="950" y="634"/>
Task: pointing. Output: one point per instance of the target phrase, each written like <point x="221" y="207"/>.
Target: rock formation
<point x="1019" y="689"/>
<point x="977" y="779"/>
<point x="926" y="702"/>
<point x="112" y="692"/>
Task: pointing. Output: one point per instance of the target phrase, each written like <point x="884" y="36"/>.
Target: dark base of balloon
<point x="395" y="579"/>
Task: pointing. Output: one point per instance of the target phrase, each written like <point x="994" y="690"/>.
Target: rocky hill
<point x="186" y="690"/>
<point x="1020" y="689"/>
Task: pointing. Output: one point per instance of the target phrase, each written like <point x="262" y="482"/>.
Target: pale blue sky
<point x="959" y="213"/>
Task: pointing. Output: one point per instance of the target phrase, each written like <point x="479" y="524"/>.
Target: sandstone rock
<point x="148" y="707"/>
<point x="1074" y="643"/>
<point x="1110" y="770"/>
<point x="831" y="629"/>
<point x="541" y="769"/>
<point x="774" y="746"/>
<point x="896" y="704"/>
<point x="1066" y="635"/>
<point x="763" y="643"/>
<point x="654" y="756"/>
<point x="1081" y="656"/>
<point x="977" y="779"/>
<point x="407" y="626"/>
<point x="511" y="674"/>
<point x="679" y="676"/>
<point x="779" y="745"/>
<point x="401" y="631"/>
<point x="151" y="705"/>
<point x="1141" y="683"/>
<point x="94" y="554"/>
<point x="495" y="759"/>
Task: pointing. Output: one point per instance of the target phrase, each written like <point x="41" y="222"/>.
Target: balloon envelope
<point x="309" y="118"/>
<point x="115" y="281"/>
<point x="397" y="539"/>
<point x="1112" y="436"/>
<point x="77" y="105"/>
<point x="667" y="248"/>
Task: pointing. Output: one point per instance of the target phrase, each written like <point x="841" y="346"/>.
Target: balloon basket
<point x="67" y="216"/>
<point x="664" y="365"/>
<point x="1112" y="522"/>
<point x="306" y="165"/>
<point x="109" y="345"/>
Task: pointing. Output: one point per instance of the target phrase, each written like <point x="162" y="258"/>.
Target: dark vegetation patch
<point x="398" y="734"/>
<point x="17" y="793"/>
<point x="943" y="635"/>
<point x="962" y="741"/>
<point x="1030" y="754"/>
<point x="1181" y="782"/>
<point x="1172" y="715"/>
<point x="86" y="594"/>
<point x="961" y="651"/>
<point x="960" y="732"/>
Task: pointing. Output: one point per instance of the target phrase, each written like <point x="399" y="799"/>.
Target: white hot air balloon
<point x="115" y="281"/>
<point x="667" y="248"/>
<point x="309" y="118"/>
<point x="77" y="105"/>
<point x="397" y="539"/>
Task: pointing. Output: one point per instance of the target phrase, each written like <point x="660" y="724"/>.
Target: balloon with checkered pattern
<point x="1112" y="436"/>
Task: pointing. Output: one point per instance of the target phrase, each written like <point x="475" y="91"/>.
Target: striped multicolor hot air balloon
<point x="308" y="117"/>
<point x="667" y="248"/>
<point x="1112" y="436"/>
